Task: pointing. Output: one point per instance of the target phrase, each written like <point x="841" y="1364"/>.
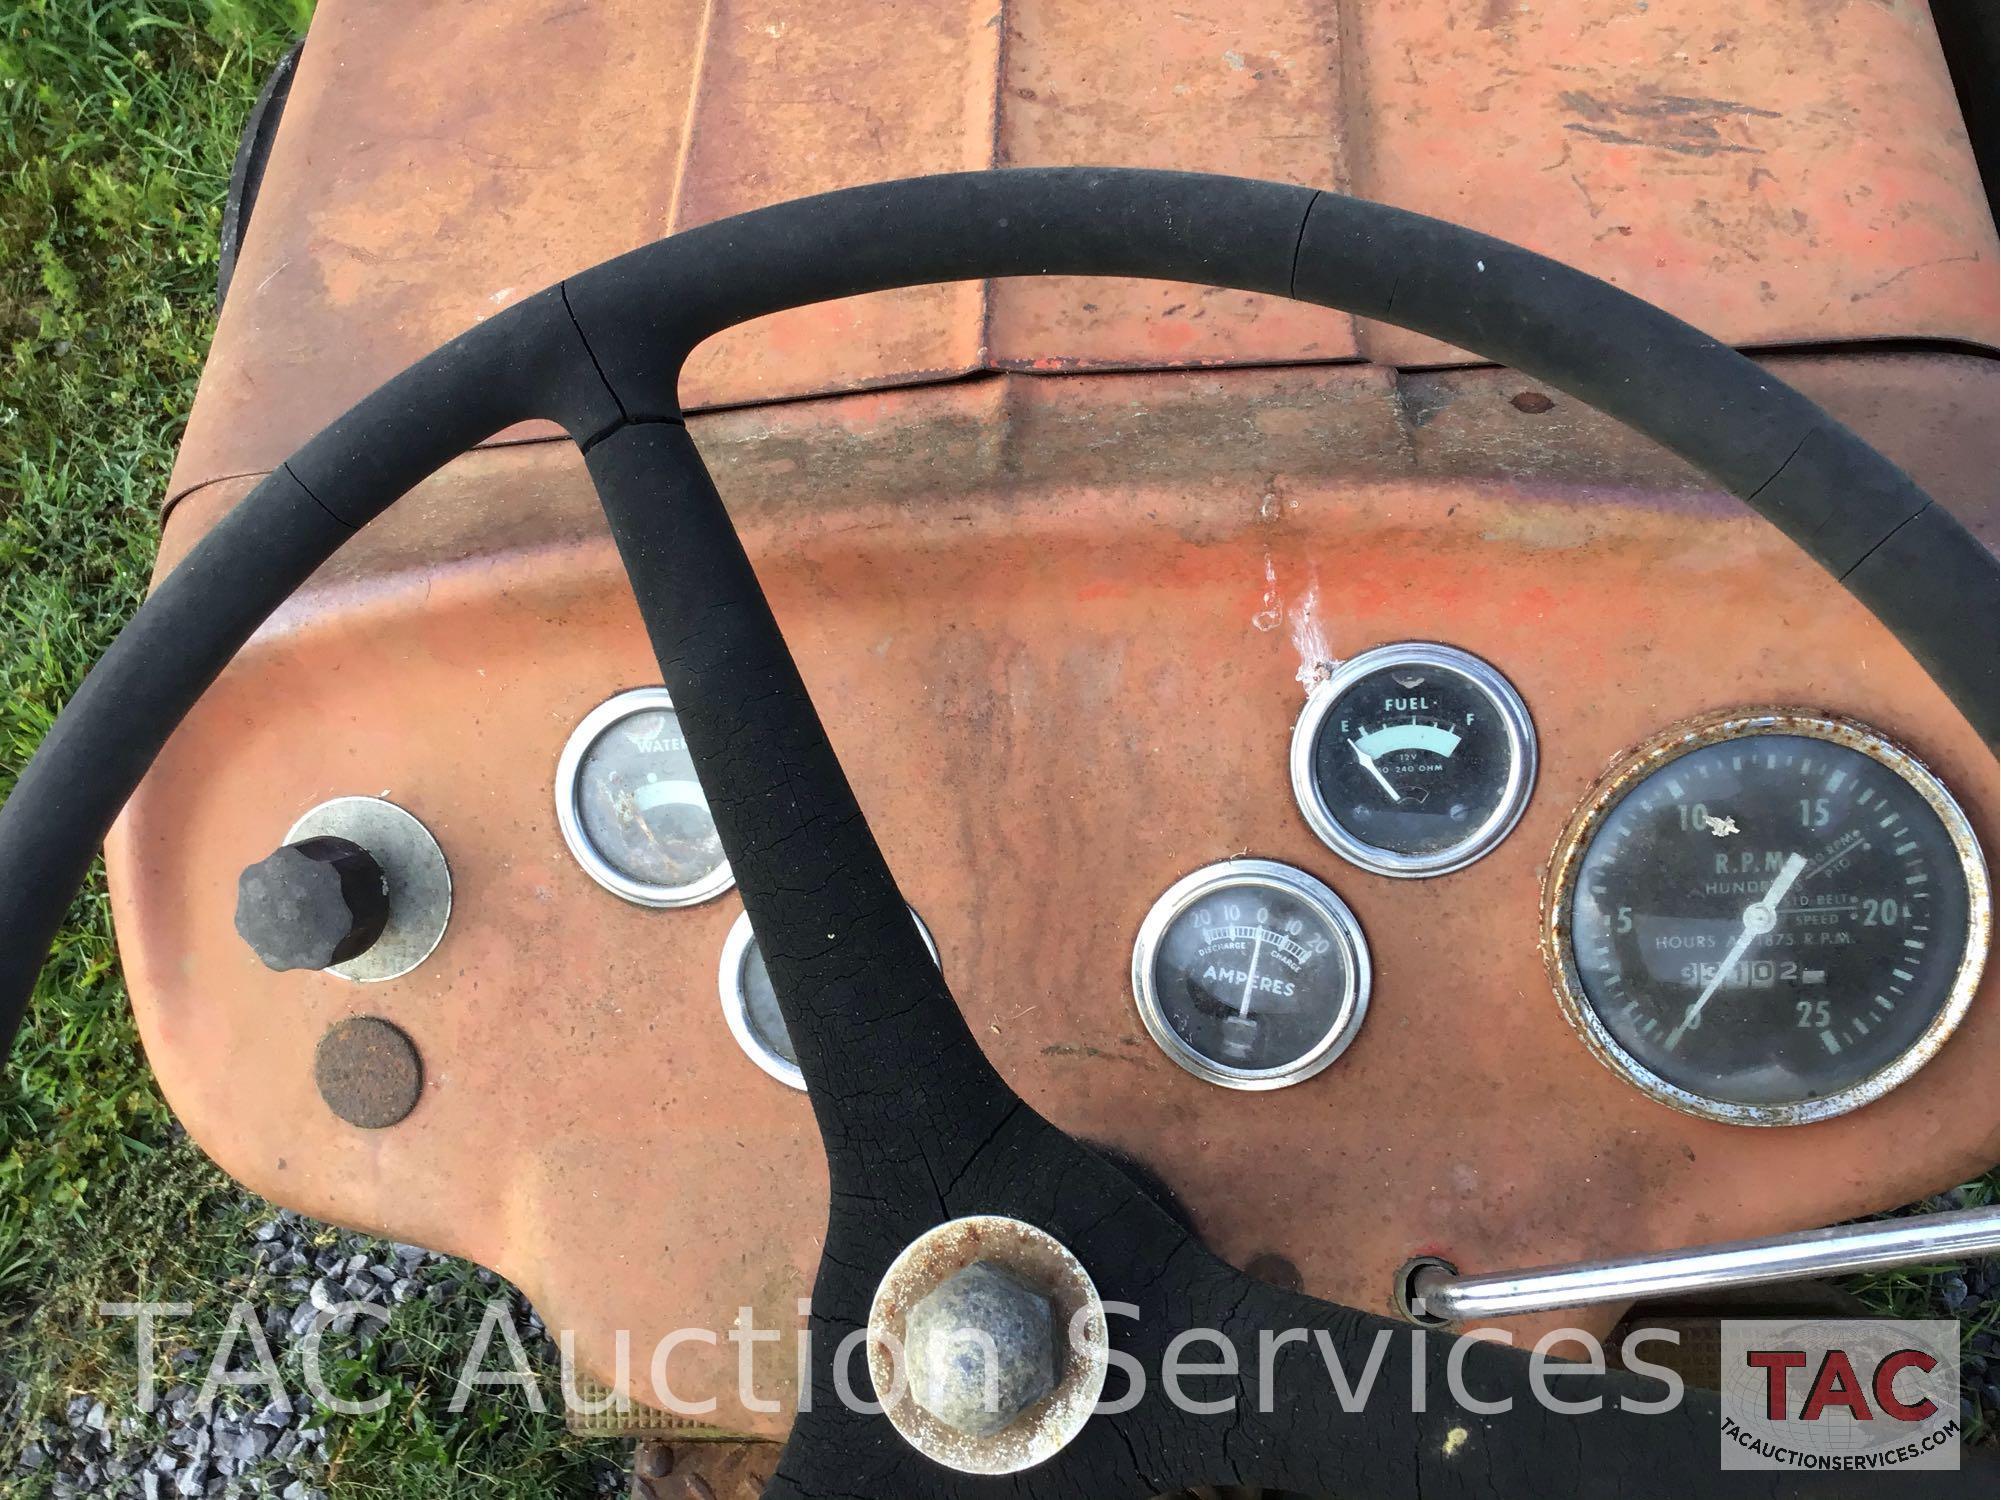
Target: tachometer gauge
<point x="1413" y="759"/>
<point x="750" y="1004"/>
<point x="631" y="809"/>
<point x="1251" y="974"/>
<point x="1767" y="918"/>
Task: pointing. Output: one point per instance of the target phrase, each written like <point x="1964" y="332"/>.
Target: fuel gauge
<point x="1413" y="759"/>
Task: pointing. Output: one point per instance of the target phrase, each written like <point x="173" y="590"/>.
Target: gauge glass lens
<point x="750" y="1003"/>
<point x="631" y="807"/>
<point x="1253" y="975"/>
<point x="1414" y="759"/>
<point x="760" y="1007"/>
<point x="1772" y="918"/>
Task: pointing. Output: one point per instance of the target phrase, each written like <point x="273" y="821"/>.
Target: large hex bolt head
<point x="313" y="904"/>
<point x="981" y="1348"/>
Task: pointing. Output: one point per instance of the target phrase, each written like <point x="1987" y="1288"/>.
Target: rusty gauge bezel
<point x="569" y="770"/>
<point x="1671" y="744"/>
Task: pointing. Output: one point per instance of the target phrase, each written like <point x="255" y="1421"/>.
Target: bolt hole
<point x="1406" y="1295"/>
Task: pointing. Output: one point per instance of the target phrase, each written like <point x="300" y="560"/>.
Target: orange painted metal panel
<point x="803" y="98"/>
<point x="1055" y="627"/>
<point x="1780" y="173"/>
<point x="435" y="163"/>
<point x="1776" y="174"/>
<point x="1248" y="87"/>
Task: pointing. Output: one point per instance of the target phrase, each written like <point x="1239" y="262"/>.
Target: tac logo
<point x="1840" y="1394"/>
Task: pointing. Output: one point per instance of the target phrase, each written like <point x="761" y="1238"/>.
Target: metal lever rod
<point x="1436" y="1293"/>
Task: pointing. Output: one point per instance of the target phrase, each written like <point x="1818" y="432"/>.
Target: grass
<point x="195" y="1229"/>
<point x="116" y="133"/>
<point x="1922" y="1292"/>
<point x="118" y="126"/>
<point x="118" y="123"/>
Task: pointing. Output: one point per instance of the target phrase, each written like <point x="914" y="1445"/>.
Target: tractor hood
<point x="1783" y="176"/>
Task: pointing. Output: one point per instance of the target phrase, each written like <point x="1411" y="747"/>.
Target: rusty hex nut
<point x="982" y="1349"/>
<point x="313" y="904"/>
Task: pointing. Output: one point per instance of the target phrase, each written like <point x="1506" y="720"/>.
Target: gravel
<point x="1968" y="1293"/>
<point x="236" y="1448"/>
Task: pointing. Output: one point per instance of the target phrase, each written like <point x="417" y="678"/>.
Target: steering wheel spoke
<point x="1241" y="1383"/>
<point x="903" y="1093"/>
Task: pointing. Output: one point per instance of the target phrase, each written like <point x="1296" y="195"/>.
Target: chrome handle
<point x="1433" y="1292"/>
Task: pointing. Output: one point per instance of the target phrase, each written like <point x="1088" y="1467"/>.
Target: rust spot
<point x="702" y="1470"/>
<point x="1681" y="123"/>
<point x="1533" y="402"/>
<point x="368" y="1072"/>
<point x="1276" y="1270"/>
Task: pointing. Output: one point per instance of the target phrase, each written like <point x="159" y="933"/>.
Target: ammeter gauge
<point x="1251" y="974"/>
<point x="1767" y="918"/>
<point x="750" y="1004"/>
<point x="631" y="809"/>
<point x="1413" y="759"/>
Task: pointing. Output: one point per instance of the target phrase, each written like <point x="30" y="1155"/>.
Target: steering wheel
<point x="919" y="1128"/>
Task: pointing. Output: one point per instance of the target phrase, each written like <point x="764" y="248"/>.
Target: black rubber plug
<point x="313" y="904"/>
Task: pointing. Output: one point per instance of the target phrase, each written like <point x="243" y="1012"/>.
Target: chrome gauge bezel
<point x="418" y="875"/>
<point x="569" y="767"/>
<point x="736" y="1008"/>
<point x="1433" y="656"/>
<point x="1270" y="874"/>
<point x="1670" y="745"/>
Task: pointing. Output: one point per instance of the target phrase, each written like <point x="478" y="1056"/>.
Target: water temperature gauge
<point x="1413" y="759"/>
<point x="631" y="809"/>
<point x="1251" y="974"/>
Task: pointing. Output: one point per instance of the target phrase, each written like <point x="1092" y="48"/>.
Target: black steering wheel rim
<point x="918" y="1126"/>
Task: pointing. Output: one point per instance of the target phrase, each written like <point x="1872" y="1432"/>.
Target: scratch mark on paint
<point x="1309" y="635"/>
<point x="1268" y="617"/>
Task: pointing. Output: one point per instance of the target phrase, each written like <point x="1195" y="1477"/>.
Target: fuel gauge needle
<point x="1369" y="764"/>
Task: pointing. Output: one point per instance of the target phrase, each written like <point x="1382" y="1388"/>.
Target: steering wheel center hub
<point x="987" y="1345"/>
